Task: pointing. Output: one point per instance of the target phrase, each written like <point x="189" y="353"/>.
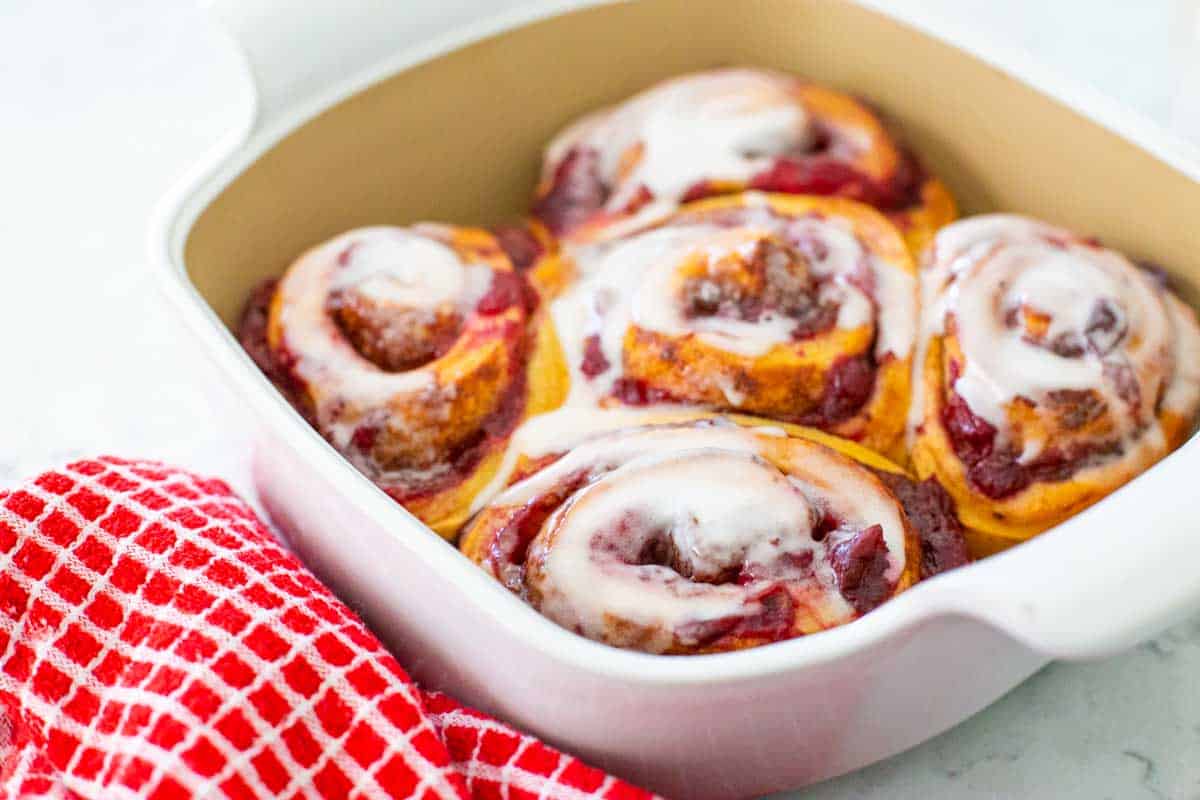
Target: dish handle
<point x="1111" y="577"/>
<point x="298" y="51"/>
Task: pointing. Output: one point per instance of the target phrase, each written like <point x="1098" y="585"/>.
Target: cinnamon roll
<point x="676" y="533"/>
<point x="796" y="308"/>
<point x="414" y="351"/>
<point x="725" y="131"/>
<point x="1052" y="370"/>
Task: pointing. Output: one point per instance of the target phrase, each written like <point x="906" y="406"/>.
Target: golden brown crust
<point x="1054" y="372"/>
<point x="994" y="524"/>
<point x="792" y="380"/>
<point x="867" y="163"/>
<point x="484" y="540"/>
<point x="435" y="447"/>
<point x="922" y="221"/>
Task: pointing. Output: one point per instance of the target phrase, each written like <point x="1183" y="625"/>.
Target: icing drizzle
<point x="1037" y="311"/>
<point x="635" y="282"/>
<point x="725" y="124"/>
<point x="723" y="526"/>
<point x="411" y="269"/>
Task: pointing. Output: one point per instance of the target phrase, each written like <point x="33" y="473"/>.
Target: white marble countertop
<point x="104" y="104"/>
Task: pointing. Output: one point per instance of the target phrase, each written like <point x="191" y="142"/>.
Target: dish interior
<point x="459" y="138"/>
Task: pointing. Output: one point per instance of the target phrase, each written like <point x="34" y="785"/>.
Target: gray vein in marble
<point x="1149" y="771"/>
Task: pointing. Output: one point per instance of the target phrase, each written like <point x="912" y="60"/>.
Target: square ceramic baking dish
<point x="352" y="127"/>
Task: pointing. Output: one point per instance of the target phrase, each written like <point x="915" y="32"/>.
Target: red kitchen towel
<point x="156" y="641"/>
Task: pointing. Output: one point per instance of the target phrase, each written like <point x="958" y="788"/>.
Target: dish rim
<point x="950" y="594"/>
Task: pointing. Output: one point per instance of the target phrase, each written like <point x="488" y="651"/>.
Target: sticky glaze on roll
<point x="414" y="351"/>
<point x="796" y="308"/>
<point x="725" y="131"/>
<point x="684" y="533"/>
<point x="1052" y="370"/>
<point x="697" y="536"/>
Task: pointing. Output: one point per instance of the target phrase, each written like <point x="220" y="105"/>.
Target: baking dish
<point x="351" y="128"/>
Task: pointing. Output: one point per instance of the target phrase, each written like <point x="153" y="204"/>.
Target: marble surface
<point x="104" y="104"/>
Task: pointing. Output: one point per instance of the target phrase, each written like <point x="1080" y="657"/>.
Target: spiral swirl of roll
<point x="801" y="309"/>
<point x="693" y="535"/>
<point x="1053" y="370"/>
<point x="725" y="131"/>
<point x="411" y="350"/>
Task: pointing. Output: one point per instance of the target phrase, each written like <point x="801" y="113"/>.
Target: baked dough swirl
<point x="1053" y="371"/>
<point x="668" y="408"/>
<point x="684" y="535"/>
<point x="796" y="308"/>
<point x="414" y="351"/>
<point x="725" y="131"/>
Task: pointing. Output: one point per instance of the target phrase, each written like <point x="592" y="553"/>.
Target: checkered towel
<point x="156" y="641"/>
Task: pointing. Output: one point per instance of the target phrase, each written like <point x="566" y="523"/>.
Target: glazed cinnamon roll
<point x="725" y="131"/>
<point x="1053" y="371"/>
<point x="414" y="351"/>
<point x="685" y="534"/>
<point x="796" y="308"/>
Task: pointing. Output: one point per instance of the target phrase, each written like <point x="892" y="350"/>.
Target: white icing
<point x="1032" y="448"/>
<point x="405" y="267"/>
<point x="958" y="245"/>
<point x="719" y="125"/>
<point x="896" y="294"/>
<point x="929" y="285"/>
<point x="600" y="302"/>
<point x="984" y="267"/>
<point x="559" y="431"/>
<point x="1183" y="392"/>
<point x="894" y="289"/>
<point x="718" y="507"/>
<point x="635" y="282"/>
<point x="733" y="396"/>
<point x="705" y="486"/>
<point x="770" y="430"/>
<point x="654" y="307"/>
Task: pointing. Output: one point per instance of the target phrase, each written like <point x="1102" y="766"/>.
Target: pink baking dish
<point x="354" y="123"/>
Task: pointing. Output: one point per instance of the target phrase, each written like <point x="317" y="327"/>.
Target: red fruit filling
<point x="364" y="437"/>
<point x="594" y="361"/>
<point x="637" y="392"/>
<point x="252" y="328"/>
<point x="1105" y="328"/>
<point x="521" y="247"/>
<point x="772" y="622"/>
<point x="508" y="289"/>
<point x="576" y="192"/>
<point x="848" y="386"/>
<point x="931" y="512"/>
<point x="252" y="335"/>
<point x="826" y="175"/>
<point x="814" y="321"/>
<point x="994" y="471"/>
<point x="861" y="564"/>
<point x="509" y="545"/>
